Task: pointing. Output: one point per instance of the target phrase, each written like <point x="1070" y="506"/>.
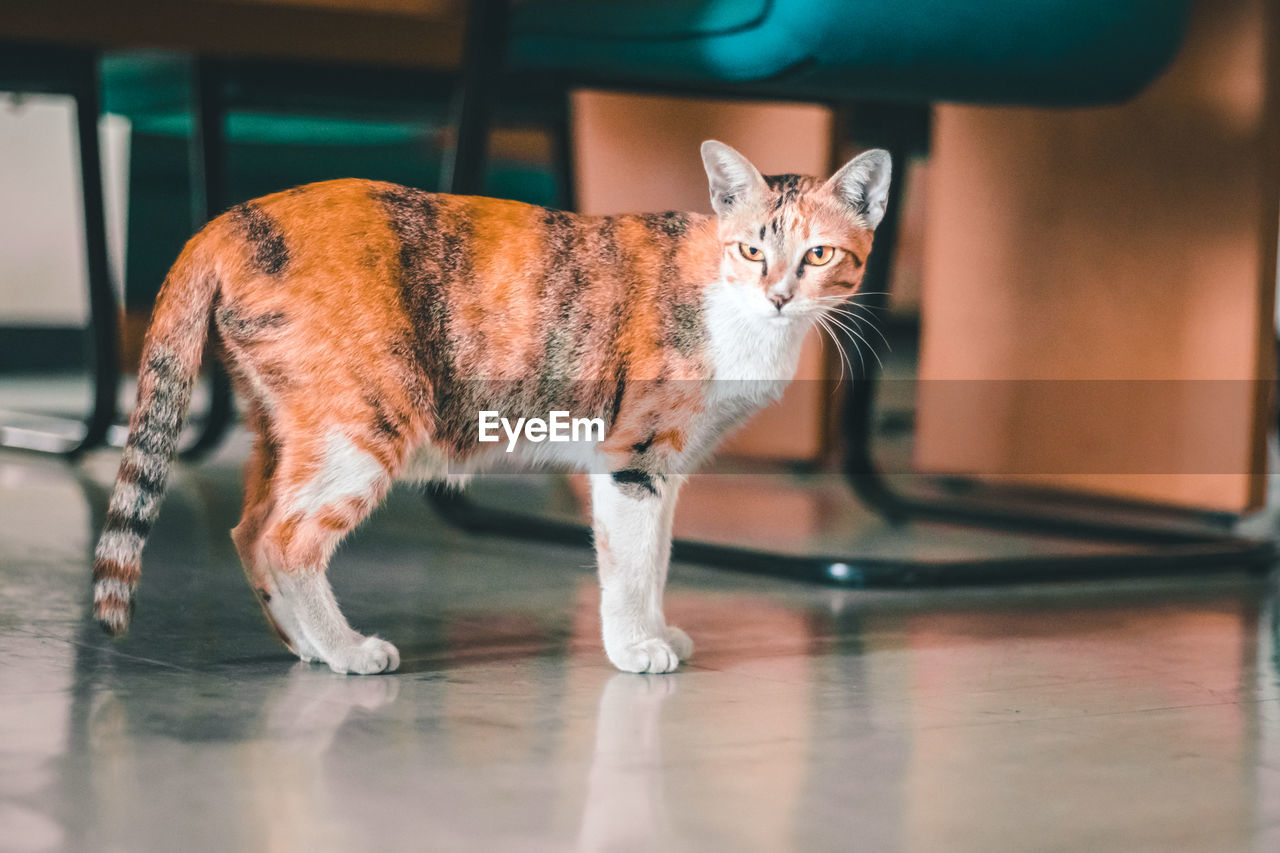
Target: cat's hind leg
<point x="632" y="513"/>
<point x="258" y="473"/>
<point x="322" y="488"/>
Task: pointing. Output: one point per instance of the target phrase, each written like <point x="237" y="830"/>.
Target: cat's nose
<point x="779" y="299"/>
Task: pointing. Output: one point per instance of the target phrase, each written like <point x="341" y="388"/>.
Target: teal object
<point x="1044" y="52"/>
<point x="366" y="130"/>
<point x="267" y="150"/>
<point x="152" y="89"/>
<point x="278" y="135"/>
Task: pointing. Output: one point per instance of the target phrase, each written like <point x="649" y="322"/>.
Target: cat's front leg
<point x="632" y="512"/>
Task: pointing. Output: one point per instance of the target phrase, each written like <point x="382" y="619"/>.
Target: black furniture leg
<point x="208" y="160"/>
<point x="562" y="150"/>
<point x="80" y="72"/>
<point x="102" y="302"/>
<point x="471" y="114"/>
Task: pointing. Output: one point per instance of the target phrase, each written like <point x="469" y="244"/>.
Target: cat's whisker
<point x="844" y="358"/>
<point x="870" y="349"/>
<point x="857" y="335"/>
<point x="852" y="303"/>
<point x="870" y="313"/>
<point x="851" y="308"/>
<point x="847" y="310"/>
<point x="860" y="320"/>
<point x="836" y="328"/>
<point x="822" y="337"/>
<point x="849" y="297"/>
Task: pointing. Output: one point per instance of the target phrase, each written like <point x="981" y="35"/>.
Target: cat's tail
<point x="171" y="358"/>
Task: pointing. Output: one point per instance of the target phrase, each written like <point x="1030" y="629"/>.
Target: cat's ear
<point x="732" y="177"/>
<point x="863" y="184"/>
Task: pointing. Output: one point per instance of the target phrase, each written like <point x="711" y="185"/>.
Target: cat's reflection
<point x="625" y="807"/>
<point x="309" y="708"/>
<point x="300" y="721"/>
<point x="274" y="744"/>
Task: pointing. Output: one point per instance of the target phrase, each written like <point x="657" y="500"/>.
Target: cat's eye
<point x="751" y="253"/>
<point x="819" y="256"/>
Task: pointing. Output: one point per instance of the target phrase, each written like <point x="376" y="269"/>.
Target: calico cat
<point x="366" y="324"/>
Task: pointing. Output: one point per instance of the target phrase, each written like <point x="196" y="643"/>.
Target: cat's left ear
<point x="863" y="184"/>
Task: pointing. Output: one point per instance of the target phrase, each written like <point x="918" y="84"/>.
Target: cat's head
<point x="793" y="246"/>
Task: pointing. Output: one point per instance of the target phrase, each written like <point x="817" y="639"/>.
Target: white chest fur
<point x="753" y="355"/>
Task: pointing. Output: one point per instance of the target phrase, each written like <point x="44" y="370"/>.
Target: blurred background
<point x="1076" y="294"/>
<point x="1064" y="369"/>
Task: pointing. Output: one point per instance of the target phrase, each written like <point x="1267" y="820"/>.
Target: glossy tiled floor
<point x="1125" y="716"/>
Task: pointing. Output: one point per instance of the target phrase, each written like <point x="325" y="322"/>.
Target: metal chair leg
<point x="471" y="114"/>
<point x="562" y="150"/>
<point x="103" y="311"/>
<point x="103" y="320"/>
<point x="1195" y="554"/>
<point x="208" y="162"/>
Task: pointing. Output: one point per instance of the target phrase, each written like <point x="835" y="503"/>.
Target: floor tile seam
<point x="112" y="651"/>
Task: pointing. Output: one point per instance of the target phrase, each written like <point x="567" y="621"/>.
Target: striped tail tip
<point x="112" y="604"/>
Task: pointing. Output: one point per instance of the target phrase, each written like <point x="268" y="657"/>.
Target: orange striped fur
<point x="366" y="324"/>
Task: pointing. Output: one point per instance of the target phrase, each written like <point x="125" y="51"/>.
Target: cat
<point x="365" y="325"/>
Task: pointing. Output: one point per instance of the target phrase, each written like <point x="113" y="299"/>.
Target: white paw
<point x="299" y="646"/>
<point x="679" y="642"/>
<point x="651" y="655"/>
<point x="286" y="627"/>
<point x="365" y="658"/>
